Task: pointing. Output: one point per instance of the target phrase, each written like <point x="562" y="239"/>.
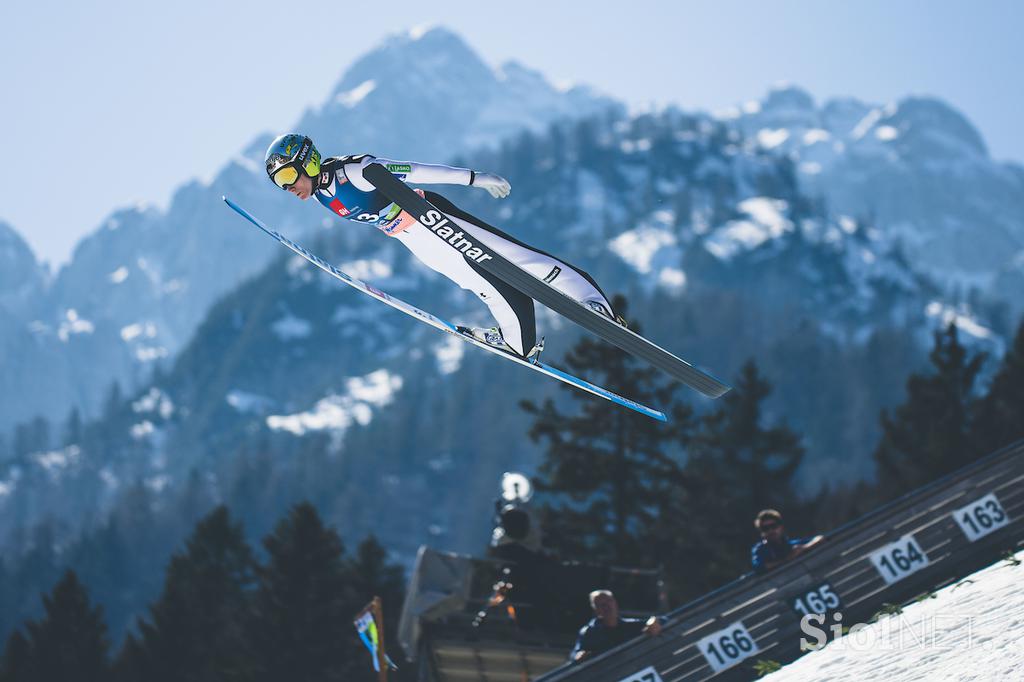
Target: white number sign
<point x="899" y="559"/>
<point x="819" y="600"/>
<point x="727" y="647"/>
<point x="981" y="517"/>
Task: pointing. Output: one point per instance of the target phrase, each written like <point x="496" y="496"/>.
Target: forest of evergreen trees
<point x="620" y="489"/>
<point x="223" y="614"/>
<point x="615" y="487"/>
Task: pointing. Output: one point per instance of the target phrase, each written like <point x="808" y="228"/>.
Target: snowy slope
<point x="973" y="630"/>
<point x="916" y="168"/>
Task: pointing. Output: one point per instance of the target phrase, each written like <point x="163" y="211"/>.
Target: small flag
<point x="366" y="625"/>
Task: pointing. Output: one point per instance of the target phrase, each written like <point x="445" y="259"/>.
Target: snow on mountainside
<point x="916" y="168"/>
<point x="145" y="278"/>
<point x="973" y="630"/>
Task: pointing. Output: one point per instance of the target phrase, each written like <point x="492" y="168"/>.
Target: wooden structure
<point x="443" y="629"/>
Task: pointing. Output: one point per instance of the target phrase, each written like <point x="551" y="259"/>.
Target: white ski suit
<point x="342" y="188"/>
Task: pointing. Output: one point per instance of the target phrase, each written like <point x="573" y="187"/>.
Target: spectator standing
<point x="775" y="547"/>
<point x="607" y="629"/>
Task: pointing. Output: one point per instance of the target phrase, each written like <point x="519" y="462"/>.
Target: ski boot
<point x="492" y="337"/>
<point x="602" y="309"/>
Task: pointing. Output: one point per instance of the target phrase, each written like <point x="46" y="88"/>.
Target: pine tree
<point x="31" y="436"/>
<point x="756" y="463"/>
<point x="72" y="429"/>
<point x="70" y="641"/>
<point x="123" y="558"/>
<point x="15" y="662"/>
<point x="113" y="402"/>
<point x="23" y="440"/>
<point x="196" y="629"/>
<point x="370" y="575"/>
<point x="194" y="502"/>
<point x="302" y="627"/>
<point x="35" y="569"/>
<point x="929" y="434"/>
<point x="40" y="427"/>
<point x="131" y="664"/>
<point x="611" y="470"/>
<point x="999" y="418"/>
<point x="744" y="466"/>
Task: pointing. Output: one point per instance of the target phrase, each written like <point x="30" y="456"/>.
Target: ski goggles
<point x="306" y="160"/>
<point x="287" y="175"/>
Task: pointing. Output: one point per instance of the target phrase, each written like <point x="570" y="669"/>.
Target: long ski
<point x="445" y="325"/>
<point x="499" y="266"/>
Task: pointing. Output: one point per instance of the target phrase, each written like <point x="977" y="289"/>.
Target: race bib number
<point x="397" y="220"/>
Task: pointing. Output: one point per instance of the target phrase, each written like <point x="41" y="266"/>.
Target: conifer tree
<point x="302" y="628"/>
<point x="610" y="469"/>
<point x="35" y="568"/>
<point x="72" y="428"/>
<point x="196" y="629"/>
<point x="113" y="402"/>
<point x="70" y="641"/>
<point x="743" y="465"/>
<point x="371" y="575"/>
<point x="131" y="664"/>
<point x="999" y="417"/>
<point x="929" y="434"/>
<point x="195" y="502"/>
<point x="14" y="664"/>
<point x="754" y="462"/>
<point x="123" y="558"/>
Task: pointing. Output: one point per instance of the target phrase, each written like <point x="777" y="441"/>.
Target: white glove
<point x="495" y="184"/>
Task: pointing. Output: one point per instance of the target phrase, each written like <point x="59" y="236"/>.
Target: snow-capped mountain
<point x="136" y="288"/>
<point x="428" y="96"/>
<point x="916" y="168"/>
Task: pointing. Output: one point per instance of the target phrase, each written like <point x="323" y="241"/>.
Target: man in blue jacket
<point x="775" y="547"/>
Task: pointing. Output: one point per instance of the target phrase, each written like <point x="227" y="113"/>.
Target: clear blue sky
<point x="107" y="103"/>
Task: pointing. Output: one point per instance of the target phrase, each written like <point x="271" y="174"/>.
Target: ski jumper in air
<point x="294" y="164"/>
